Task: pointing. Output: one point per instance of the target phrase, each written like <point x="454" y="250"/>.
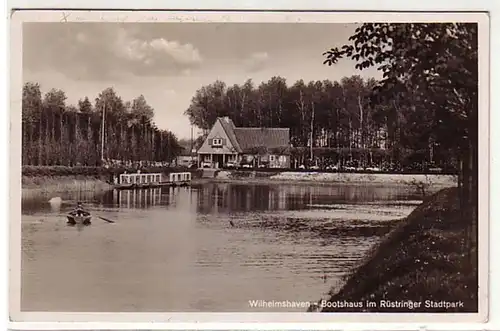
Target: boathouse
<point x="227" y="146"/>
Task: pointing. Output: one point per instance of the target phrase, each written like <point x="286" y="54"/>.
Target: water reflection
<point x="173" y="249"/>
<point x="172" y="197"/>
<point x="227" y="198"/>
<point x="138" y="198"/>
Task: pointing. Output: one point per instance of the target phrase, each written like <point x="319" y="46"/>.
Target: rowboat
<point x="79" y="219"/>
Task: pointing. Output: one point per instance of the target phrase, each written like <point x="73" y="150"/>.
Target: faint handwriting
<point x="146" y="18"/>
<point x="65" y="17"/>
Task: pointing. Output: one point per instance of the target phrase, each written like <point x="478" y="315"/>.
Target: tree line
<point x="54" y="133"/>
<point x="333" y="117"/>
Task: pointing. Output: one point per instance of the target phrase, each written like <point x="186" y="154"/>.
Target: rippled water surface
<point x="207" y="248"/>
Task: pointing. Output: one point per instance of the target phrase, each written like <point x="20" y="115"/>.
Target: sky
<point x="168" y="62"/>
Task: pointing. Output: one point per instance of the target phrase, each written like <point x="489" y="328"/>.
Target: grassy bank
<point x="424" y="258"/>
<point x="62" y="171"/>
<point x="58" y="184"/>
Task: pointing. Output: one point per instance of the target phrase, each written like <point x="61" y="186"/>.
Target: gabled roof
<point x="228" y="126"/>
<point x="250" y="139"/>
<point x="271" y="138"/>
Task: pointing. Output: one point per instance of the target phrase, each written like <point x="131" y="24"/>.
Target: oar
<point x="106" y="219"/>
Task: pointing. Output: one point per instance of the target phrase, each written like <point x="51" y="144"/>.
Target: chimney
<point x="225" y="119"/>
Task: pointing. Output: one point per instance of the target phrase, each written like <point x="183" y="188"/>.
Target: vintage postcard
<point x="189" y="166"/>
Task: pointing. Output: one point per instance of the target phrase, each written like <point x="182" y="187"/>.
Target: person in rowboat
<point x="79" y="211"/>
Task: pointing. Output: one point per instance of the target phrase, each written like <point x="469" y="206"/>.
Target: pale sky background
<point x="168" y="62"/>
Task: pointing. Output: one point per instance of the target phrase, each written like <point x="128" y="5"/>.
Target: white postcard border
<point x="170" y="320"/>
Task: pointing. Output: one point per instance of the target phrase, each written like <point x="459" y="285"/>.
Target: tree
<point x="31" y="111"/>
<point x="32" y="101"/>
<point x="109" y="99"/>
<point x="55" y="99"/>
<point x="207" y="104"/>
<point x="301" y="114"/>
<point x="54" y="103"/>
<point x="437" y="64"/>
<point x="140" y="108"/>
<point x="273" y="94"/>
<point x="85" y="106"/>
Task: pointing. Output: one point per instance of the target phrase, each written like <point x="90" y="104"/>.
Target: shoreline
<point x="426" y="254"/>
<point x="63" y="183"/>
<point x="271" y="181"/>
<point x="325" y="179"/>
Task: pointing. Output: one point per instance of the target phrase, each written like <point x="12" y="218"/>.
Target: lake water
<point x="208" y="248"/>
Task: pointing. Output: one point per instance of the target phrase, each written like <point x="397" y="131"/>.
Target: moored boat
<point x="144" y="181"/>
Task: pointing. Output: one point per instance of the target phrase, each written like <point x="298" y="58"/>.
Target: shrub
<point x="48" y="171"/>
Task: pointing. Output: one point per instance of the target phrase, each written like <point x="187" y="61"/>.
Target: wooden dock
<point x="139" y="181"/>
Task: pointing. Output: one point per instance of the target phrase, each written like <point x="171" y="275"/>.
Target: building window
<point x="271" y="158"/>
<point x="217" y="142"/>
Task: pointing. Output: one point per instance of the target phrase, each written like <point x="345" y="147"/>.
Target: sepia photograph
<point x="243" y="165"/>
